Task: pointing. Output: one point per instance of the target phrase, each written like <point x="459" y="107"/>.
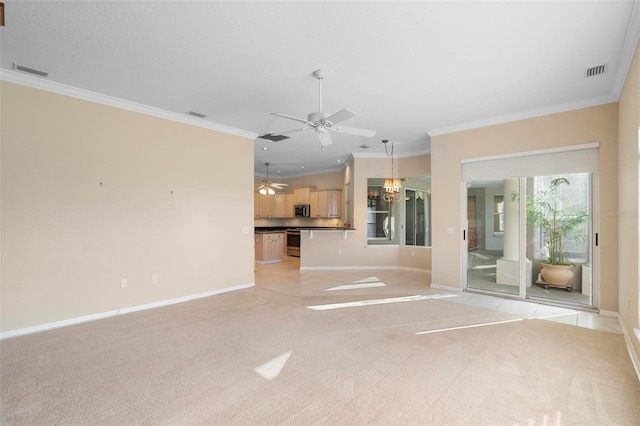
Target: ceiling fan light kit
<point x="321" y="122"/>
<point x="269" y="188"/>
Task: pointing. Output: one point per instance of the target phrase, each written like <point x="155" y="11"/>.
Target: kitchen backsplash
<point x="301" y="222"/>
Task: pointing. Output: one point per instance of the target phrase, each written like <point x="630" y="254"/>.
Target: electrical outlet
<point x="413" y="253"/>
<point x="339" y="252"/>
<point x="154" y="279"/>
<point x="123" y="283"/>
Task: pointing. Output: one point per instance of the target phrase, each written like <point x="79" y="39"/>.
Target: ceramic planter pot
<point x="557" y="275"/>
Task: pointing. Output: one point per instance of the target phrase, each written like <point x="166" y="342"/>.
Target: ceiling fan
<point x="321" y="122"/>
<point x="268" y="187"/>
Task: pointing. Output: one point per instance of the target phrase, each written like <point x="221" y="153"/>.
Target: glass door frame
<point x="522" y="246"/>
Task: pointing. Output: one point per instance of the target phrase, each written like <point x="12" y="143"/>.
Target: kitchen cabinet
<point x="314" y="204"/>
<point x="280" y="208"/>
<point x="325" y="204"/>
<point x="301" y="195"/>
<point x="264" y="206"/>
<point x="289" y="211"/>
<point x="269" y="247"/>
<point x="259" y="205"/>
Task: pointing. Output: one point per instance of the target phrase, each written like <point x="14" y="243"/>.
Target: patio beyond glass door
<point x="521" y="230"/>
<point x="559" y="229"/>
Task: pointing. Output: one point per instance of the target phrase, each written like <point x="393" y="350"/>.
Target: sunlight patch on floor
<point x="485" y="324"/>
<point x="271" y="369"/>
<point x="357" y="286"/>
<point x="367" y="280"/>
<point x="485" y="267"/>
<point x="378" y="301"/>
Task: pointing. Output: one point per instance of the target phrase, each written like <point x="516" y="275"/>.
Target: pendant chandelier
<point x="391" y="185"/>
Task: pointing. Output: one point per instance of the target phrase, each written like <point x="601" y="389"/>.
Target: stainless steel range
<point x="293" y="243"/>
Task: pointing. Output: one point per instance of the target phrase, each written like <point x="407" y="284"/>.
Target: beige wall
<point x="588" y="125"/>
<point x="330" y="249"/>
<point x="629" y="124"/>
<point x="92" y="194"/>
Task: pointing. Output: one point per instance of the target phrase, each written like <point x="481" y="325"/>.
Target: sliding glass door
<point x="559" y="237"/>
<point x="532" y="237"/>
<point x="492" y="226"/>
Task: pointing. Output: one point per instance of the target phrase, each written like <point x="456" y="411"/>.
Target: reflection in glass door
<point x="493" y="233"/>
<point x="416" y="220"/>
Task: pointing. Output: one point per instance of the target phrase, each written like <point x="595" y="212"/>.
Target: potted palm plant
<point x="559" y="227"/>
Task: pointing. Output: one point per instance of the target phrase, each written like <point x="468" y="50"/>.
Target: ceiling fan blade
<point x="354" y="131"/>
<point x="302" y="129"/>
<point x="341" y="115"/>
<point x="290" y="117"/>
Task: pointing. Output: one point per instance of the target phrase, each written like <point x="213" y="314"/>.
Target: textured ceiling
<point x="407" y="69"/>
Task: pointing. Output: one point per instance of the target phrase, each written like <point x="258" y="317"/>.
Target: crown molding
<point x="629" y="46"/>
<point x="62" y="89"/>
<point x="523" y="115"/>
<point x="425" y="151"/>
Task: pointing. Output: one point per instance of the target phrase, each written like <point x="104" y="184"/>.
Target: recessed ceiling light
<point x="302" y="167"/>
<point x="265" y="148"/>
<point x="338" y="161"/>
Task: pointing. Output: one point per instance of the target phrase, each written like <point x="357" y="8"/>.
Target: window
<point x="498" y="213"/>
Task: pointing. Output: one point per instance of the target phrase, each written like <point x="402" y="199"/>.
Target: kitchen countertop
<point x="266" y="230"/>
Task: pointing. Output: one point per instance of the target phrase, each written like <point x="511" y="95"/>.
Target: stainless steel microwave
<point x="302" y="210"/>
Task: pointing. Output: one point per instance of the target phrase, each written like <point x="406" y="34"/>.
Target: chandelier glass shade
<point x="392" y="185"/>
<point x="265" y="191"/>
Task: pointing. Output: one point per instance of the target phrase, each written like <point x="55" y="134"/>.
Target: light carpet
<point x="261" y="356"/>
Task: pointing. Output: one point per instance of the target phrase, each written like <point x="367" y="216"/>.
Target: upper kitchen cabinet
<point x="301" y="196"/>
<point x="264" y="206"/>
<point x="289" y="211"/>
<point x="325" y="204"/>
<point x="280" y="207"/>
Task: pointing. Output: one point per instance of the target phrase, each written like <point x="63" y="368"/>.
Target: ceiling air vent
<point x="364" y="146"/>
<point x="197" y="114"/>
<point x="272" y="137"/>
<point x="30" y="70"/>
<point x="593" y="71"/>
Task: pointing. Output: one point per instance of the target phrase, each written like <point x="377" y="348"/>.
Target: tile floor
<point x="288" y="272"/>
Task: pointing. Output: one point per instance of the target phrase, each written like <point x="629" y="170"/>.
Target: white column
<point x="508" y="267"/>
<point x="511" y="220"/>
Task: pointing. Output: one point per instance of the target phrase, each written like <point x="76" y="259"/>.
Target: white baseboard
<point x="627" y="339"/>
<point x="446" y="287"/>
<point x="93" y="317"/>
<point x="612" y="314"/>
<point x="347" y="268"/>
